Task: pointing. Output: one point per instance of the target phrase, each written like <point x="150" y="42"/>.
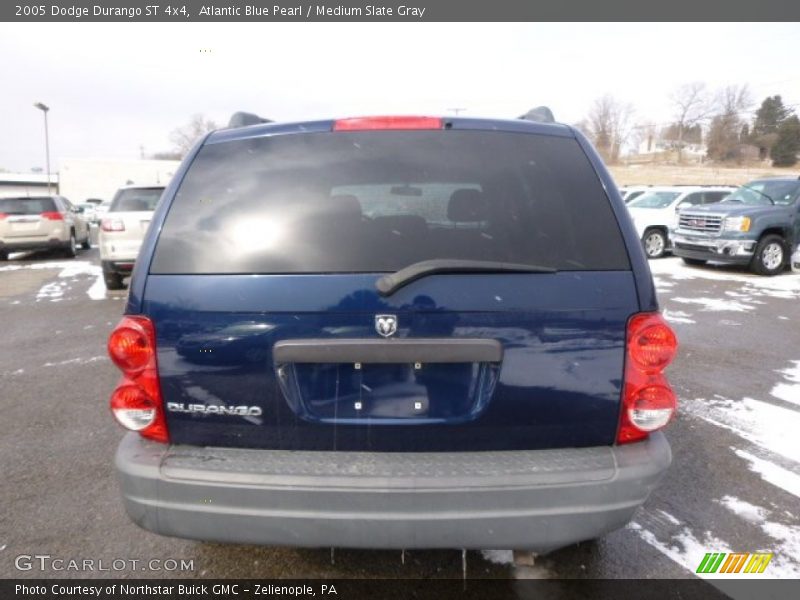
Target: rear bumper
<point x="123" y="267"/>
<point x="32" y="244"/>
<point x="538" y="500"/>
<point x="114" y="249"/>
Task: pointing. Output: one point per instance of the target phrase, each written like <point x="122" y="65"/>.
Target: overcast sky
<point x="114" y="88"/>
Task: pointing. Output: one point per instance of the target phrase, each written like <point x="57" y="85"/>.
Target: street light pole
<point x="44" y="108"/>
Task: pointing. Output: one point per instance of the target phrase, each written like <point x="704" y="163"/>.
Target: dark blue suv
<point x="392" y="332"/>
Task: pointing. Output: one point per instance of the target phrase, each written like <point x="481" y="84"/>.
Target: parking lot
<point x="734" y="484"/>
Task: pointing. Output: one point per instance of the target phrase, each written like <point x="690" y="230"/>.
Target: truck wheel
<point x="770" y="256"/>
<point x="72" y="249"/>
<point x="113" y="281"/>
<point x="3" y="255"/>
<point x="695" y="262"/>
<point x="655" y="243"/>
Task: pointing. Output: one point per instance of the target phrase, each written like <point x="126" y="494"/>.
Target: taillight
<point x="648" y="402"/>
<point x="399" y="122"/>
<point x="136" y="402"/>
<point x="3" y="215"/>
<point x="112" y="225"/>
<point x="52" y="215"/>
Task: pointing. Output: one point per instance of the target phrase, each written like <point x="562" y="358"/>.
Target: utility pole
<point x="45" y="109"/>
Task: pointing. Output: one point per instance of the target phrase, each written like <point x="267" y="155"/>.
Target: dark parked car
<point x="392" y="332"/>
<point x="757" y="225"/>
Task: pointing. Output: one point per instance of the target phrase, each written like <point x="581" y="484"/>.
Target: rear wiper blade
<point x="388" y="284"/>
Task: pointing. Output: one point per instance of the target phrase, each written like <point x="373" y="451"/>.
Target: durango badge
<point x="386" y="325"/>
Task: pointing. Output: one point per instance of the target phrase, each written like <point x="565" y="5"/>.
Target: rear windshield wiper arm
<point x="388" y="284"/>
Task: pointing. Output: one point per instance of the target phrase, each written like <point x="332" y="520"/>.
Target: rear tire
<point x="71" y="251"/>
<point x="770" y="256"/>
<point x="694" y="262"/>
<point x="655" y="243"/>
<point x="3" y="255"/>
<point x="113" y="281"/>
<point x="87" y="243"/>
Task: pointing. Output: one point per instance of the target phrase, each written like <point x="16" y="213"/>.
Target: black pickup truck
<point x="757" y="225"/>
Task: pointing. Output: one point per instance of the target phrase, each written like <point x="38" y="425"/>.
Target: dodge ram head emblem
<point x="386" y="325"/>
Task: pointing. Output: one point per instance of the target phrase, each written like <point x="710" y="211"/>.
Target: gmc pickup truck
<point x="758" y="225"/>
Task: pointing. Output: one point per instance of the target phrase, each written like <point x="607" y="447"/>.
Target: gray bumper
<point x="538" y="500"/>
<point x="730" y="250"/>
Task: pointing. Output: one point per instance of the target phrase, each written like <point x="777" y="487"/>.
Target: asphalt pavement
<point x="733" y="485"/>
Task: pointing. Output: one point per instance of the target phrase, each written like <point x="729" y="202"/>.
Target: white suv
<point x="122" y="230"/>
<point x="655" y="213"/>
<point x="39" y="223"/>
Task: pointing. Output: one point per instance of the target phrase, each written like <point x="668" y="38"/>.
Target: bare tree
<point x="609" y="125"/>
<point x="184" y="137"/>
<point x="724" y="134"/>
<point x="691" y="107"/>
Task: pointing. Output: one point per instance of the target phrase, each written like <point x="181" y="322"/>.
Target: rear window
<point x="654" y="200"/>
<point x="136" y="200"/>
<point x="27" y="206"/>
<point x="379" y="201"/>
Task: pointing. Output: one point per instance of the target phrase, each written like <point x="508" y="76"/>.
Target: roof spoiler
<point x="540" y="114"/>
<point x="243" y="119"/>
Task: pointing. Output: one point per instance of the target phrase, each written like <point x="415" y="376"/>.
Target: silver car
<point x="122" y="230"/>
<point x="41" y="222"/>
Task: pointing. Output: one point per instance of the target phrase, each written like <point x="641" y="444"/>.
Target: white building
<point x="82" y="178"/>
<point x="26" y="184"/>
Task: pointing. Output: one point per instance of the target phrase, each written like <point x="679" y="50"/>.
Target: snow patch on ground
<point x="53" y="291"/>
<point x="771" y="427"/>
<point x="786" y="560"/>
<point x="677" y="316"/>
<point x="789" y="390"/>
<point x="785" y="286"/>
<point x="684" y="548"/>
<point x="772" y="473"/>
<point x="745" y="510"/>
<point x="716" y="304"/>
<point x="72" y="270"/>
<point x="76" y="361"/>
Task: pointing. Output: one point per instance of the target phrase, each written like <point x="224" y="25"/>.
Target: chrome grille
<point x="704" y="223"/>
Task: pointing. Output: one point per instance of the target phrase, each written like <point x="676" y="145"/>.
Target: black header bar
<point x="397" y="11"/>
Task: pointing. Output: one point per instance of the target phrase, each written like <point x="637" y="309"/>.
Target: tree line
<point x="722" y="121"/>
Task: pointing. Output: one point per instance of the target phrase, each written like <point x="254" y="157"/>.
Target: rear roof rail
<point x="244" y="119"/>
<point x="540" y="114"/>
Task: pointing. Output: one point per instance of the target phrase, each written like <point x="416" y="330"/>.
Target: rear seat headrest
<point x="467" y="205"/>
<point x="344" y="205"/>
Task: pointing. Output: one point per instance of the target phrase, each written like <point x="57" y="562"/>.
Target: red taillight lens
<point x="136" y="402"/>
<point x="373" y="123"/>
<point x="130" y="348"/>
<point x="648" y="402"/>
<point x="3" y="216"/>
<point x="112" y="225"/>
<point x="651" y="342"/>
<point x="52" y="216"/>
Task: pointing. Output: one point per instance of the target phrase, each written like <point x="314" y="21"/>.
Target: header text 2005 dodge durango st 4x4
<point x="391" y="332"/>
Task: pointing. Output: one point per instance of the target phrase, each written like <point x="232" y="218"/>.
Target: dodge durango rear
<point x="392" y="332"/>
